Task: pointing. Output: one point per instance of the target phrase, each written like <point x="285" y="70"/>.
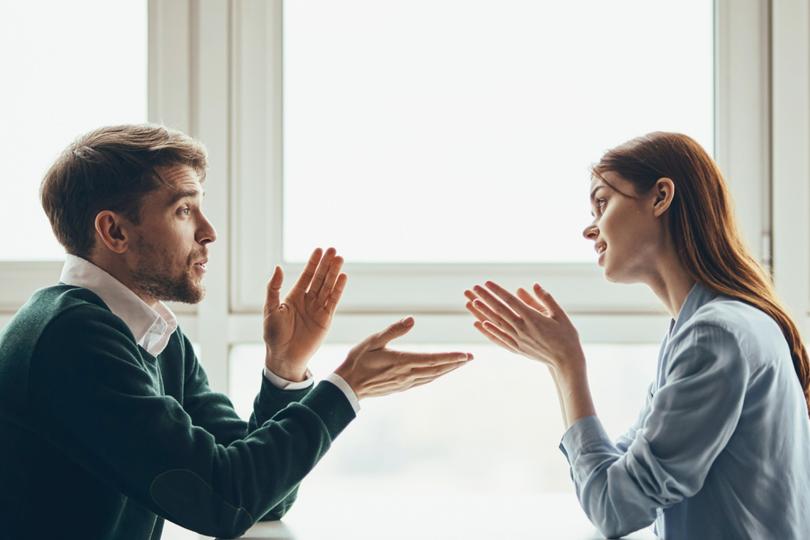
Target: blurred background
<point x="435" y="144"/>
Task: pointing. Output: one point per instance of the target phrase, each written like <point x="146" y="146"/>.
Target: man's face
<point x="169" y="251"/>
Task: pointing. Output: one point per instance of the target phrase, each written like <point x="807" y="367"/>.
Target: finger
<point x="274" y="290"/>
<point x="302" y="284"/>
<point x="425" y="380"/>
<point x="475" y="312"/>
<point x="489" y="315"/>
<point x="320" y="273"/>
<point x="470" y="295"/>
<point x="398" y="329"/>
<point x="496" y="305"/>
<point x="399" y="385"/>
<point x="509" y="346"/>
<point x="409" y="360"/>
<point x="337" y="292"/>
<point x="419" y="381"/>
<point x="510" y="299"/>
<point x="330" y="280"/>
<point x="435" y="371"/>
<point x="492" y="330"/>
<point x="531" y="301"/>
<point x="554" y="309"/>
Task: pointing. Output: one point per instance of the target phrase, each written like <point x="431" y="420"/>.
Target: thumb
<point x="273" y="291"/>
<point x="398" y="329"/>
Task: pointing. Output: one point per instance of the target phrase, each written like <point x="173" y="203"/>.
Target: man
<point x="107" y="422"/>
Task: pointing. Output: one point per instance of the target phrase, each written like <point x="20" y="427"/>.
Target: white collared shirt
<point x="153" y="327"/>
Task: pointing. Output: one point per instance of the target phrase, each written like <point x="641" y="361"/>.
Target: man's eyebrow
<point x="177" y="195"/>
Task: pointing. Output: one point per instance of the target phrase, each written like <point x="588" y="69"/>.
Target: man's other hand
<point x="372" y="369"/>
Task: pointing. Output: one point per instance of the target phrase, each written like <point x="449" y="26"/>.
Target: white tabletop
<point x="397" y="516"/>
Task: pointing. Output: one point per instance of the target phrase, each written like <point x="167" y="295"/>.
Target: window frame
<point x="215" y="72"/>
<point x="741" y="86"/>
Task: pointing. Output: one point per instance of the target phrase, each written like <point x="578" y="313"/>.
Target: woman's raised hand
<point x="532" y="325"/>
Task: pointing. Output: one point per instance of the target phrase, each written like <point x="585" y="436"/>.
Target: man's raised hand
<point x="295" y="328"/>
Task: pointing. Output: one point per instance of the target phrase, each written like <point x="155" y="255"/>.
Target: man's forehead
<point x="178" y="176"/>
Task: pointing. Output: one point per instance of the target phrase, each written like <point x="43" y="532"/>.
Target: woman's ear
<point x="664" y="193"/>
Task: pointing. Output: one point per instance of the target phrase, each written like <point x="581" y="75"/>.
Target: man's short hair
<point x="111" y="168"/>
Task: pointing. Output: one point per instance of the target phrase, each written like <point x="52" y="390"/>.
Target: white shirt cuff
<point x="284" y="384"/>
<point x="338" y="381"/>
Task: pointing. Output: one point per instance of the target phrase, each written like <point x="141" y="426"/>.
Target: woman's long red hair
<point x="702" y="226"/>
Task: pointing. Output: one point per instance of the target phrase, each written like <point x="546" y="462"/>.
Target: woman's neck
<point x="671" y="283"/>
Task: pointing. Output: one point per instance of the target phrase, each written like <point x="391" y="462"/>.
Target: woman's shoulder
<point x="732" y="322"/>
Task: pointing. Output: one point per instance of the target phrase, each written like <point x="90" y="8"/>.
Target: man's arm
<point x="104" y="408"/>
<point x="214" y="412"/>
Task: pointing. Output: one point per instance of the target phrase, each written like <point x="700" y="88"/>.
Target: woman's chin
<point x="610" y="273"/>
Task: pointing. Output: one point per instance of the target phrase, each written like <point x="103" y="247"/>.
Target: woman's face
<point x="626" y="233"/>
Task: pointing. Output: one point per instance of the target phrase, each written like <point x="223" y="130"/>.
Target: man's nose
<point x="206" y="233"/>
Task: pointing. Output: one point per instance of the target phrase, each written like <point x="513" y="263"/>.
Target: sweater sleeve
<point x="215" y="413"/>
<point x="692" y="417"/>
<point x="108" y="415"/>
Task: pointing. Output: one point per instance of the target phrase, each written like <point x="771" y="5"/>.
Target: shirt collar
<point x="698" y="296"/>
<point x="152" y="328"/>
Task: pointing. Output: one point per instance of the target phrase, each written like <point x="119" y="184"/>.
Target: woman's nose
<point x="590" y="232"/>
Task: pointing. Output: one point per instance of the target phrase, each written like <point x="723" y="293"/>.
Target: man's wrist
<point x="286" y="370"/>
<point x="286" y="384"/>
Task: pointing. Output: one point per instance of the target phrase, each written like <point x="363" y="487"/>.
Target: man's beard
<point x="153" y="276"/>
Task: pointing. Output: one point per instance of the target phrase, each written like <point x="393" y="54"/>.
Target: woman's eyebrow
<point x="593" y="192"/>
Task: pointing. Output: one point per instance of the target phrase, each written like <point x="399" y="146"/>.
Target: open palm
<point x="295" y="328"/>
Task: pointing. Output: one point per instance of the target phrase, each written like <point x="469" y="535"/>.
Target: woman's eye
<point x="600" y="204"/>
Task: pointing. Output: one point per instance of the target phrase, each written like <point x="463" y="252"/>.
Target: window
<point x="447" y="132"/>
<point x="68" y="78"/>
<point x="438" y="144"/>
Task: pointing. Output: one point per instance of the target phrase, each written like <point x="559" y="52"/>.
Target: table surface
<point x="396" y="516"/>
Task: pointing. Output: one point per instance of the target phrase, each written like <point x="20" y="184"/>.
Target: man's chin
<point x="189" y="293"/>
<point x="193" y="295"/>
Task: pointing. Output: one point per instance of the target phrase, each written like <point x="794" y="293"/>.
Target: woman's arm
<point x="538" y="328"/>
<point x="692" y="415"/>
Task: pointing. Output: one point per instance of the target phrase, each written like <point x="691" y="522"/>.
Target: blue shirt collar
<point x="698" y="296"/>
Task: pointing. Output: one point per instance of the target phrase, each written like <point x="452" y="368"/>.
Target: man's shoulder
<point x="53" y="316"/>
<point x="52" y="308"/>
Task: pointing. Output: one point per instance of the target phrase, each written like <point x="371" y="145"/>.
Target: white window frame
<point x="381" y="292"/>
<point x="215" y="72"/>
<point x="791" y="156"/>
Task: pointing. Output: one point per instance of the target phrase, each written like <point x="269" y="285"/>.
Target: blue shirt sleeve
<point x="623" y="442"/>
<point x="691" y="417"/>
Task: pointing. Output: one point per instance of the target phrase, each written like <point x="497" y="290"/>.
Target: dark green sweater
<point x="99" y="439"/>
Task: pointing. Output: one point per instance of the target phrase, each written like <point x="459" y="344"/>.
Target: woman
<point x="722" y="446"/>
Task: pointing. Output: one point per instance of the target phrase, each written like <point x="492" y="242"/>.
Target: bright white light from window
<point x="460" y="130"/>
<point x="492" y="426"/>
<point x="68" y="67"/>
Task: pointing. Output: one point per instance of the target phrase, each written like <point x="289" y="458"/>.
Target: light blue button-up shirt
<point x="722" y="446"/>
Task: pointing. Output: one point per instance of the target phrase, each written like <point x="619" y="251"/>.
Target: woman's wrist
<point x="573" y="391"/>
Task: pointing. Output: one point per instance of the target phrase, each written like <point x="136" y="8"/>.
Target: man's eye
<point x="185" y="211"/>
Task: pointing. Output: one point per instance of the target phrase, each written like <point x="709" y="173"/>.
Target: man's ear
<point x="112" y="230"/>
<point x="664" y="194"/>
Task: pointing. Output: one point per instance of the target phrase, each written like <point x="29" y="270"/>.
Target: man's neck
<point x="118" y="269"/>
